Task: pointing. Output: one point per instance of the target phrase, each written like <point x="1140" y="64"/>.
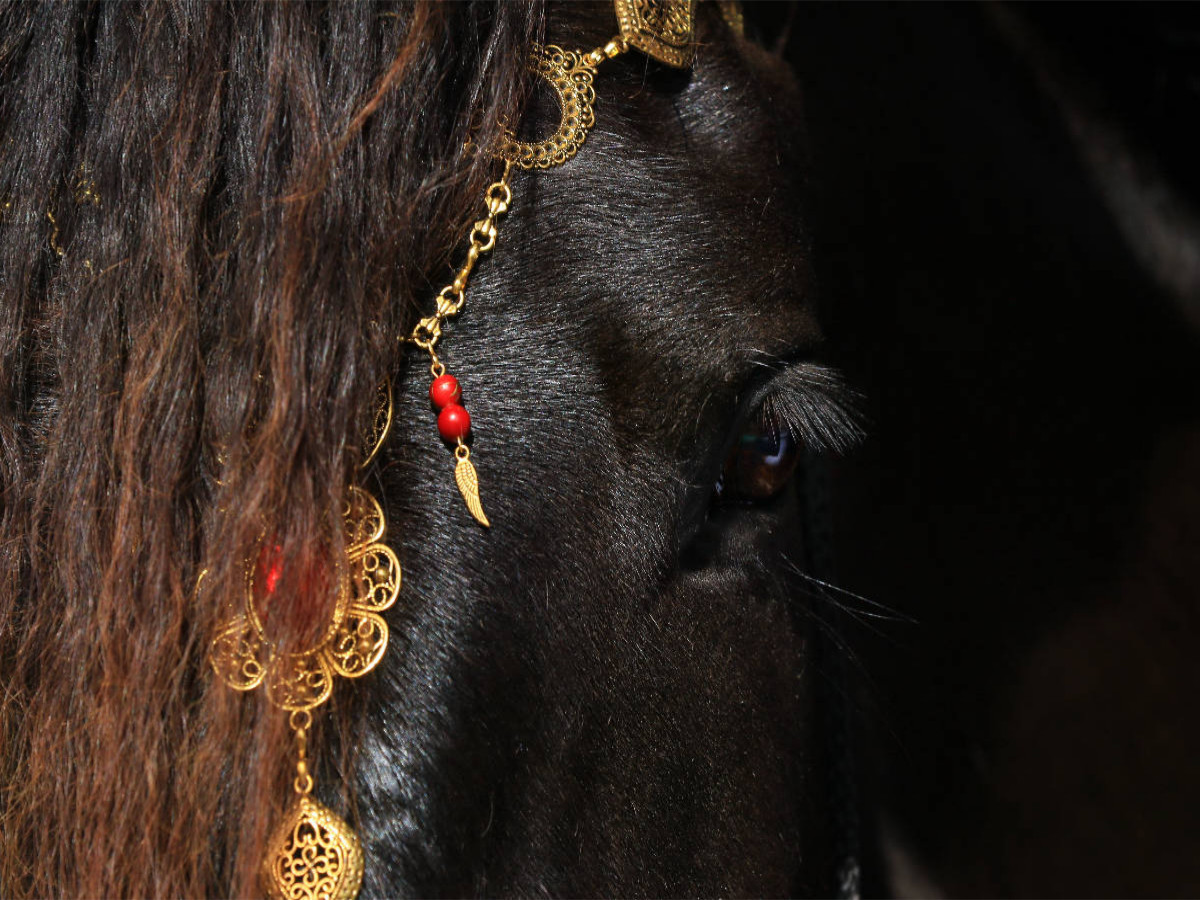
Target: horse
<point x="217" y="221"/>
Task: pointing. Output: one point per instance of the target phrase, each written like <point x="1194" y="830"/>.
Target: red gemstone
<point x="454" y="423"/>
<point x="274" y="567"/>
<point x="293" y="598"/>
<point x="444" y="391"/>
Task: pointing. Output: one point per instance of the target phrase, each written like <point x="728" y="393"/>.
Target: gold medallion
<point x="662" y="29"/>
<point x="352" y="644"/>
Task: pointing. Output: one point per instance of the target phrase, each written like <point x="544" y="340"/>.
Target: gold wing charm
<point x="468" y="484"/>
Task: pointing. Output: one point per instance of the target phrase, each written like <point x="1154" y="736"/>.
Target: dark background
<point x="1029" y="493"/>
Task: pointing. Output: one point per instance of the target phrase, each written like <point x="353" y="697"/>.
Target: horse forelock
<point x="605" y="693"/>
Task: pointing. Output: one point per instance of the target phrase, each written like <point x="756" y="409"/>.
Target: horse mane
<point x="216" y="219"/>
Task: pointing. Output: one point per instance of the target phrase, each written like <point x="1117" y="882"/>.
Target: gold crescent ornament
<point x="570" y="74"/>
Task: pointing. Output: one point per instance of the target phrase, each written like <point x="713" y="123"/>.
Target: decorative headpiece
<point x="313" y="854"/>
<point x="662" y="29"/>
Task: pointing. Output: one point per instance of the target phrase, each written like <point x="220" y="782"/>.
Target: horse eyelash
<point x="815" y="405"/>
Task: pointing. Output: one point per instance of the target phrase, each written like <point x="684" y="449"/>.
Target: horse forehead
<point x="674" y="243"/>
<point x="679" y="227"/>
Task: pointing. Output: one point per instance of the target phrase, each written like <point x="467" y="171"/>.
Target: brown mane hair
<point x="183" y="364"/>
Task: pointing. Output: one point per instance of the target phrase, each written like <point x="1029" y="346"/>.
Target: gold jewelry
<point x="570" y="74"/>
<point x="571" y="77"/>
<point x="454" y="423"/>
<point x="662" y="29"/>
<point x="313" y="853"/>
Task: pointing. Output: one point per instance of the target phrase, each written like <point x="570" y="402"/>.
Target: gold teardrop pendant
<point x="313" y="855"/>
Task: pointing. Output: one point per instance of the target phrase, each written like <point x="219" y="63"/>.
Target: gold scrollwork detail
<point x="313" y="855"/>
<point x="240" y="656"/>
<point x="352" y="645"/>
<point x="358" y="645"/>
<point x="363" y="520"/>
<point x="662" y="29"/>
<point x="381" y="424"/>
<point x="570" y="75"/>
<point x="375" y="573"/>
<point x="297" y="681"/>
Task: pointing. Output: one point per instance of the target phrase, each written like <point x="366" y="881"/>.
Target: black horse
<point x="214" y="223"/>
<point x="609" y="692"/>
<point x="614" y="689"/>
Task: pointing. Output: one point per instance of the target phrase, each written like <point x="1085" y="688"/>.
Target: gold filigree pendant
<point x="352" y="644"/>
<point x="662" y="29"/>
<point x="313" y="855"/>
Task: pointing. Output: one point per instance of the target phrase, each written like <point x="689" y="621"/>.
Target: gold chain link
<point x="451" y="298"/>
<point x="300" y="721"/>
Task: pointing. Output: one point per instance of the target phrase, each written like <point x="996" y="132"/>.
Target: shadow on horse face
<point x="574" y="712"/>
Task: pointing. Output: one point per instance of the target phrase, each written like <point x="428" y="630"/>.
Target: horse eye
<point x="760" y="463"/>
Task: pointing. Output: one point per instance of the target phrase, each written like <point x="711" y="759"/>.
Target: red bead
<point x="454" y="422"/>
<point x="444" y="391"/>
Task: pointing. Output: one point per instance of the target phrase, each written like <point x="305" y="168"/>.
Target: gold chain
<point x="451" y="298"/>
<point x="300" y="721"/>
<point x="482" y="239"/>
<point x="569" y="73"/>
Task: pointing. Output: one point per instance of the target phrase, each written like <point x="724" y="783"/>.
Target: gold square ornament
<point x="662" y="29"/>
